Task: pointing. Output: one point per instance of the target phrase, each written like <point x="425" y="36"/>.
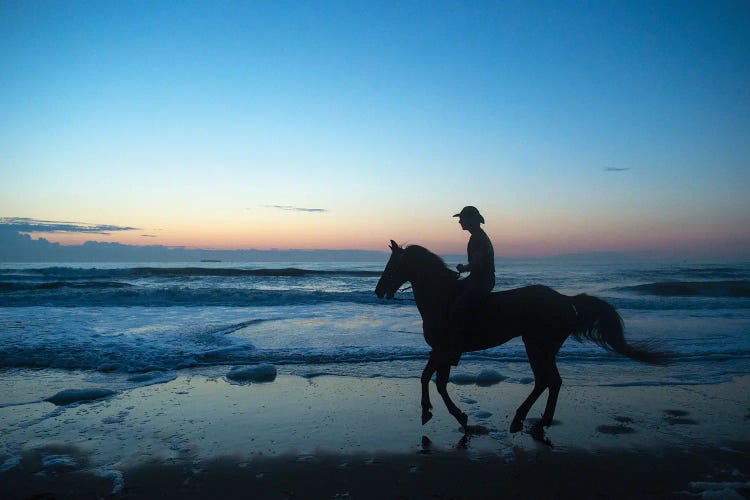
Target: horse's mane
<point x="424" y="261"/>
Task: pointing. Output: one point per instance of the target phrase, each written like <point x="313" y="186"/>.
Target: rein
<point x="406" y="288"/>
<point x="403" y="290"/>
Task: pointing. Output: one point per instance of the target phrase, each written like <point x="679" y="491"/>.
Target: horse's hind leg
<point x="429" y="369"/>
<point x="443" y="373"/>
<point x="536" y="360"/>
<point x="555" y="382"/>
<point x="523" y="410"/>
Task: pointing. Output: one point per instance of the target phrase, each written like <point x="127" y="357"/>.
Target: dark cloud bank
<point x="296" y="209"/>
<point x="27" y="225"/>
<point x="18" y="247"/>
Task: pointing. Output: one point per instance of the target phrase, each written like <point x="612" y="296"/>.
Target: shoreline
<point x="184" y="435"/>
<point x="704" y="472"/>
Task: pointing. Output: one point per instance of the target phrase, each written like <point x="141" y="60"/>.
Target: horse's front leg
<point x="443" y="374"/>
<point x="429" y="369"/>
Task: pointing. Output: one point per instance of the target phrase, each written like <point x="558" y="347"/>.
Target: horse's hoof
<point x="426" y="416"/>
<point x="516" y="426"/>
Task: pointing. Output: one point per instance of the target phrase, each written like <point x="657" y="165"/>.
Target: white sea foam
<point x="118" y="480"/>
<point x="59" y="462"/>
<point x="483" y="379"/>
<point x="152" y="377"/>
<point x="69" y="396"/>
<point x="259" y="373"/>
<point x="10" y="463"/>
<point x="120" y="339"/>
<point x="719" y="490"/>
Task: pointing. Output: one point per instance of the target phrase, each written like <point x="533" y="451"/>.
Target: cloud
<point x="27" y="225"/>
<point x="615" y="169"/>
<point x="148" y="235"/>
<point x="296" y="209"/>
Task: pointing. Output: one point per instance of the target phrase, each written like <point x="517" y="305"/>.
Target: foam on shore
<point x="258" y="373"/>
<point x="69" y="396"/>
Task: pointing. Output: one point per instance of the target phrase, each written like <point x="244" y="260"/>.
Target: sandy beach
<point x="346" y="437"/>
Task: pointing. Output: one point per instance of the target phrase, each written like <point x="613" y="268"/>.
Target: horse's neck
<point x="432" y="293"/>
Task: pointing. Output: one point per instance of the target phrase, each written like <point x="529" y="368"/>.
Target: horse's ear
<point x="394" y="246"/>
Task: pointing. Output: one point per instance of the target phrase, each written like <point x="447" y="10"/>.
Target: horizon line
<point x="636" y="254"/>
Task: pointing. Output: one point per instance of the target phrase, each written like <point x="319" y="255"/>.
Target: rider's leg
<point x="458" y="318"/>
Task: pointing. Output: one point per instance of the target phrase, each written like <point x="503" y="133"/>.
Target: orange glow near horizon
<point x="515" y="233"/>
<point x="511" y="239"/>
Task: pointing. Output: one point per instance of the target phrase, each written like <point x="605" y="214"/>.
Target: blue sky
<point x="573" y="126"/>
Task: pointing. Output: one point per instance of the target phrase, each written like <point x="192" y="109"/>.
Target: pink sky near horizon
<point x="519" y="238"/>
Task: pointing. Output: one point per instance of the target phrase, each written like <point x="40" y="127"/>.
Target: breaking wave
<point x="737" y="288"/>
<point x="72" y="273"/>
<point x="54" y="285"/>
<point x="215" y="347"/>
<point x="120" y="294"/>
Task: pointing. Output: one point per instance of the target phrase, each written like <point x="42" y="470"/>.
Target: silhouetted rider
<point x="481" y="269"/>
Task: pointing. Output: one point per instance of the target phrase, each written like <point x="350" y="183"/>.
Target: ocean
<point x="124" y="325"/>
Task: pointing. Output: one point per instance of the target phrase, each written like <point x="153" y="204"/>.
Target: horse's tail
<point x="599" y="322"/>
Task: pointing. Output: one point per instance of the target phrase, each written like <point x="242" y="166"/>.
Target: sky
<point x="572" y="126"/>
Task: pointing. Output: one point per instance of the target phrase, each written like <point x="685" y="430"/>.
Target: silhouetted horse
<point x="542" y="317"/>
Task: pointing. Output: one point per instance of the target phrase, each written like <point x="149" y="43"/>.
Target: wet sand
<point x="341" y="437"/>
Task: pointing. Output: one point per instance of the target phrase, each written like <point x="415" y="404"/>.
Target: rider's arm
<point x="477" y="259"/>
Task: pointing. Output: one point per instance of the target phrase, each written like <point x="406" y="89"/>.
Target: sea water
<point x="124" y="324"/>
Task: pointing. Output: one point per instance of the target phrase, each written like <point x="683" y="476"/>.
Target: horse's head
<point x="394" y="274"/>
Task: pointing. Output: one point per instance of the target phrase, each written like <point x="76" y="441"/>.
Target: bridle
<point x="405" y="288"/>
